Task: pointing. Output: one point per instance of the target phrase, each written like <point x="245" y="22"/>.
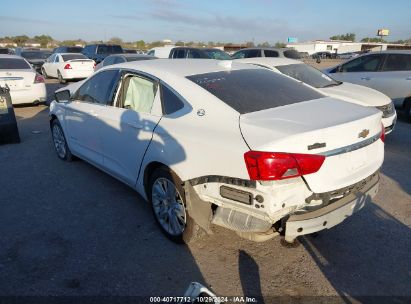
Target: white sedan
<point x="224" y="143"/>
<point x="26" y="86"/>
<point x="65" y="66"/>
<point x="325" y="84"/>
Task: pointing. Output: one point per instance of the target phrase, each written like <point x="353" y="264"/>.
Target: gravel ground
<point x="70" y="229"/>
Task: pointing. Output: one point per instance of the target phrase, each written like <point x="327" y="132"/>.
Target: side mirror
<point x="62" y="96"/>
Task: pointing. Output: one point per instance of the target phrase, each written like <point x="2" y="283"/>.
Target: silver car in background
<point x="388" y="72"/>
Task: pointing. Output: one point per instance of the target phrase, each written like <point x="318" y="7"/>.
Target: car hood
<point x="357" y="94"/>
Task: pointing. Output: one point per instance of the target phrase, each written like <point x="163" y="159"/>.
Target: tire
<point x="172" y="204"/>
<point x="407" y="109"/>
<point x="60" y="78"/>
<point x="59" y="141"/>
<point x="43" y="72"/>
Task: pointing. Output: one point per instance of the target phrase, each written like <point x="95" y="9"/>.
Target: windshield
<point x="308" y="75"/>
<point x="252" y="90"/>
<point x="13" y="64"/>
<point x="217" y="54"/>
<point x="35" y="55"/>
<point x="68" y="57"/>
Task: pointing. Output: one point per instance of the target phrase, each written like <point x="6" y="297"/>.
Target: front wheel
<point x="59" y="141"/>
<point x="167" y="197"/>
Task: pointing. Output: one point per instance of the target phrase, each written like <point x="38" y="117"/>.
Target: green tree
<point x="140" y="44"/>
<point x="180" y="43"/>
<point x="264" y="44"/>
<point x="280" y="45"/>
<point x="374" y="39"/>
<point x="44" y="40"/>
<point x="249" y="44"/>
<point x="20" y="40"/>
<point x="345" y="37"/>
<point x="116" y="40"/>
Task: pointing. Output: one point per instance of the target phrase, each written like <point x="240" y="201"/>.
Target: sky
<point x="210" y="20"/>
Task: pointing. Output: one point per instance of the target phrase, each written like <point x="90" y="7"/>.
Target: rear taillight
<point x="276" y="166"/>
<point x="382" y="137"/>
<point x="67" y="66"/>
<point x="39" y="79"/>
<point x="94" y="65"/>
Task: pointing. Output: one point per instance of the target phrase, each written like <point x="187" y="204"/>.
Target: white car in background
<point x="388" y="72"/>
<point x="65" y="66"/>
<point x="223" y="143"/>
<point x="325" y="84"/>
<point x="26" y="86"/>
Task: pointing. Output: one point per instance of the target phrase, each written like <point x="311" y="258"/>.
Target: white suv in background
<point x="388" y="72"/>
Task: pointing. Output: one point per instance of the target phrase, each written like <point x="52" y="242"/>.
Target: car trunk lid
<point x="321" y="126"/>
<point x="81" y="64"/>
<point x="17" y="80"/>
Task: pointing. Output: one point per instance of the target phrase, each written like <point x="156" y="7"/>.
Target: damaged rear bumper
<point x="332" y="214"/>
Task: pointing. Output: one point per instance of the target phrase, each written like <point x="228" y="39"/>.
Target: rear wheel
<point x="59" y="141"/>
<point x="167" y="197"/>
<point x="60" y="77"/>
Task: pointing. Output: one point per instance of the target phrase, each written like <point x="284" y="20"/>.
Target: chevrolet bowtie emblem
<point x="364" y="133"/>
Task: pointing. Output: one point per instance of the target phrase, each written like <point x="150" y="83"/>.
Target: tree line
<point x="352" y="36"/>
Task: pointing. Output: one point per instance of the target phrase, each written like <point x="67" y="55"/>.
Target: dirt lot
<point x="70" y="229"/>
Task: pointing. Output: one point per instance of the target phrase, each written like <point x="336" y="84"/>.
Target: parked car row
<point x="221" y="142"/>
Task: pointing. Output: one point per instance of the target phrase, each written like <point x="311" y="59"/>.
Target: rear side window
<point x="252" y="90"/>
<point x="13" y="64"/>
<point x="99" y="88"/>
<point x="179" y="53"/>
<point x="252" y="54"/>
<point x="171" y="102"/>
<point x="73" y="56"/>
<point x="270" y="53"/>
<point x="239" y="55"/>
<point x="398" y="62"/>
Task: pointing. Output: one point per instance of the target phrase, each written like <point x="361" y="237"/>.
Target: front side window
<point x="252" y="90"/>
<point x="99" y="88"/>
<point x="308" y="75"/>
<point x="398" y="62"/>
<point x="292" y="54"/>
<point x="270" y="53"/>
<point x="369" y="63"/>
<point x="138" y="93"/>
<point x="239" y="55"/>
<point x="179" y="53"/>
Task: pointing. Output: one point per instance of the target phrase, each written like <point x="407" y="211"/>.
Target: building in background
<point x="342" y="46"/>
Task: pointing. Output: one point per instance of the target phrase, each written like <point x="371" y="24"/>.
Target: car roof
<point x="69" y="54"/>
<point x="181" y="68"/>
<point x="269" y="61"/>
<point x="126" y="55"/>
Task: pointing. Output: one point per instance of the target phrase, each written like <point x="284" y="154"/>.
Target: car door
<point x="394" y="80"/>
<point x="363" y="70"/>
<point x="55" y="66"/>
<point x="128" y="125"/>
<point x="82" y="115"/>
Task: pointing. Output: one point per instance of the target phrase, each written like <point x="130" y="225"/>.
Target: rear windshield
<point x="109" y="49"/>
<point x="252" y="90"/>
<point x="308" y="74"/>
<point x="292" y="54"/>
<point x="13" y="64"/>
<point x="73" y="56"/>
<point x="35" y="55"/>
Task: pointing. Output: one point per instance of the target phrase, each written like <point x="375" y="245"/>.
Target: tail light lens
<point x="67" y="66"/>
<point x="277" y="166"/>
<point x="39" y="79"/>
<point x="382" y="137"/>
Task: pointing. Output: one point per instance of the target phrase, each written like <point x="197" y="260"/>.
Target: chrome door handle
<point x="365" y="78"/>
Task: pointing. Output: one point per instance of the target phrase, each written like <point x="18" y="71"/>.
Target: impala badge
<point x="364" y="133"/>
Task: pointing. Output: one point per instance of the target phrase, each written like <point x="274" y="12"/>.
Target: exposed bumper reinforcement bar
<point x="330" y="215"/>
